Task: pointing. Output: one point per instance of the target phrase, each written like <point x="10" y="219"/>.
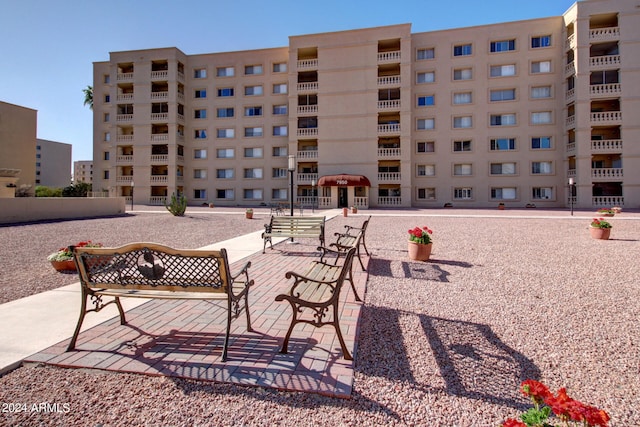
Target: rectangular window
<point x="253" y="111"/>
<point x="540" y="67"/>
<point x="253" y="173"/>
<point x="200" y="114"/>
<point x="225" y="153"/>
<point x="541" y="92"/>
<point x="503" y="168"/>
<point x="280" y="152"/>
<point x="225" y="194"/>
<point x="502" y="95"/>
<point x="200" y="174"/>
<point x="105" y="156"/>
<point x="463" y="74"/>
<point x="425" y="101"/>
<point x="462" y="98"/>
<point x="462" y="122"/>
<point x="253" y="194"/>
<point x="422" y="54"/>
<point x="107" y="99"/>
<point x="225" y="112"/>
<point x="462" y="50"/>
<point x="541" y="193"/>
<point x="463" y="193"/>
<point x="200" y="194"/>
<point x="200" y="133"/>
<point x="280" y="131"/>
<point x="253" y="90"/>
<point x="425" y="147"/>
<point x="426" y="77"/>
<point x="503" y="119"/>
<point x="279" y="172"/>
<point x="225" y="92"/>
<point x="200" y="153"/>
<point x="508" y="193"/>
<point x="200" y="73"/>
<point x="252" y="132"/>
<point x="425" y="170"/>
<point x="225" y="133"/>
<point x="462" y="169"/>
<point x="106" y="117"/>
<point x="280" y="110"/>
<point x="253" y="152"/>
<point x="541" y="118"/>
<point x="542" y="41"/>
<point x="541" y="142"/>
<point x="503" y="70"/>
<point x="503" y="46"/>
<point x="541" y="168"/>
<point x="224" y="173"/>
<point x="225" y="72"/>
<point x="252" y="69"/>
<point x="279" y="194"/>
<point x="426" y="124"/>
<point x="426" y="193"/>
<point x="201" y="93"/>
<point x="106" y="137"/>
<point x="461" y="145"/>
<point x="280" y="67"/>
<point x="280" y="88"/>
<point x="503" y="144"/>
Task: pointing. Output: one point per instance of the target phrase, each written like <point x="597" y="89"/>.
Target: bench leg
<point x="353" y="285"/>
<point x="246" y="308"/>
<point x="83" y="312"/>
<point x="364" y="245"/>
<point x="98" y="306"/>
<point x="226" y="336"/>
<point x="285" y="343"/>
<point x="336" y="325"/>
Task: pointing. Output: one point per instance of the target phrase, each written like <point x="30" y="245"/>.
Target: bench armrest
<point x="243" y="272"/>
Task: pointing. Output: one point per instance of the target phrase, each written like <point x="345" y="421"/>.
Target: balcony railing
<point x="124" y="117"/>
<point x="159" y="74"/>
<point x="606" y="145"/>
<point x="389" y="128"/>
<point x="307" y="177"/>
<point x="389" y="152"/>
<point x="571" y="146"/>
<point x="159" y="158"/>
<point x="160" y="116"/>
<point x="361" y="202"/>
<point x="308" y="87"/>
<point x="571" y="173"/>
<point x="124" y="179"/>
<point x="307" y="132"/>
<point x="124" y="158"/>
<point x="571" y="121"/>
<point x="570" y="68"/>
<point x="159" y="95"/>
<point x="604" y="61"/>
<point x="606" y="173"/>
<point x="389" y="56"/>
<point x="389" y="176"/>
<point x="124" y="97"/>
<point x="181" y="76"/>
<point x="305" y="64"/>
<point x="570" y="43"/>
<point x="605" y="89"/>
<point x="307" y="109"/>
<point x="157" y="137"/>
<point x="155" y="179"/>
<point x="606" y="116"/>
<point x="307" y="154"/>
<point x="389" y="201"/>
<point x="392" y="104"/>
<point x="124" y="138"/>
<point x="607" y="201"/>
<point x="158" y="200"/>
<point x="389" y="81"/>
<point x="570" y="95"/>
<point x="604" y="34"/>
<point x="124" y="76"/>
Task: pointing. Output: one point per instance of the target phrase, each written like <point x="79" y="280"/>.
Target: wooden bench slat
<point x="290" y="226"/>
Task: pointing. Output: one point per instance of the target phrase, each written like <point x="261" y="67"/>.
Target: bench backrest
<point x="311" y="224"/>
<point x="150" y="266"/>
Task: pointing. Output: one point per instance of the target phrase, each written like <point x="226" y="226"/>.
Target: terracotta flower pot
<point x="600" y="233"/>
<point x="419" y="252"/>
<point x="68" y="265"/>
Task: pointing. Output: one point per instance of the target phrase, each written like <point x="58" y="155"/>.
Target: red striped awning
<point x="344" y="180"/>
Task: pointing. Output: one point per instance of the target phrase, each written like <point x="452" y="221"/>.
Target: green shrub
<point x="43" y="191"/>
<point x="178" y="205"/>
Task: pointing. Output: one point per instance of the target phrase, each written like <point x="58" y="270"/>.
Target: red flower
<point x="513" y="423"/>
<point x="535" y="390"/>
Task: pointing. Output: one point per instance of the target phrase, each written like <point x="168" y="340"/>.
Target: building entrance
<point x="343" y="201"/>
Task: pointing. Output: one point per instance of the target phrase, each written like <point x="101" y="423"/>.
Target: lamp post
<point x="132" y="185"/>
<point x="313" y="195"/>
<point x="292" y="168"/>
<point x="572" y="191"/>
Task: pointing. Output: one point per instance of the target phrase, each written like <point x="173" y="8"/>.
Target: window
<point x="461" y="145"/>
<point x="106" y="117"/>
<point x="253" y="152"/>
<point x="425" y="124"/>
<point x="541" y="168"/>
<point x="107" y="99"/>
<point x="225" y="153"/>
<point x="253" y="194"/>
<point x="280" y="67"/>
<point x="502" y="95"/>
<point x="225" y="112"/>
<point x="503" y="46"/>
<point x="280" y="152"/>
<point x="280" y="88"/>
<point x="252" y="132"/>
<point x="540" y="67"/>
<point x="253" y="173"/>
<point x="224" y="173"/>
<point x="538" y="92"/>
<point x="463" y="74"/>
<point x="280" y="131"/>
<point x="502" y="144"/>
<point x="225" y="133"/>
<point x="508" y="193"/>
<point x="253" y="111"/>
<point x="462" y="50"/>
<point x="462" y="98"/>
<point x="279" y="172"/>
<point x="422" y="54"/>
<point x="539" y="193"/>
<point x="105" y="174"/>
<point x="106" y="79"/>
<point x="280" y="110"/>
<point x="199" y="173"/>
<point x="426" y="77"/>
<point x="425" y="170"/>
<point x="427" y="193"/>
<point x="462" y="122"/>
<point x="541" y="142"/>
<point x="425" y="147"/>
<point x="279" y="194"/>
<point x="253" y="90"/>
<point x="424" y="101"/>
<point x="225" y="194"/>
<point x="503" y="168"/>
<point x="253" y="69"/>
<point x="201" y="93"/>
<point x="541" y="118"/>
<point x="542" y="41"/>
<point x="463" y="193"/>
<point x="502" y="70"/>
<point x="105" y="156"/>
<point x="200" y="133"/>
<point x="107" y="137"/>
<point x="462" y="169"/>
<point x="200" y="73"/>
<point x="225" y="92"/>
<point x="200" y="153"/>
<point x="225" y="72"/>
<point x="200" y="114"/>
<point x="503" y="119"/>
<point x="199" y="194"/>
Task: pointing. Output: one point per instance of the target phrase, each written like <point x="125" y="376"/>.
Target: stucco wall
<point x="24" y="209"/>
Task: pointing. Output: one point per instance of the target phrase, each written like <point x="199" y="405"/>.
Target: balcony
<point x="124" y="138"/>
<point x="606" y="146"/>
<point x="308" y="87"/>
<point x="606" y="90"/>
<point x="307" y="109"/>
<point x="163" y="117"/>
<point x="570" y="69"/>
<point x="570" y="95"/>
<point x="122" y="77"/>
<point x="159" y="95"/>
<point x="307" y="177"/>
<point x="163" y="74"/>
<point x="389" y="201"/>
<point x="307" y="154"/>
<point x="389" y="152"/>
<point x="159" y="179"/>
<point x="393" y="56"/>
<point x="159" y="158"/>
<point x="570" y="122"/>
<point x="124" y="118"/>
<point x="393" y="104"/>
<point x="307" y="64"/>
<point x="389" y="176"/>
<point x="570" y="43"/>
<point x="125" y="97"/>
<point x="157" y="137"/>
<point x="124" y="179"/>
<point x="389" y="81"/>
<point x="606" y="117"/>
<point x="157" y="200"/>
<point x="391" y="128"/>
<point x="124" y="159"/>
<point x="604" y="34"/>
<point x="607" y="201"/>
<point x="571" y="146"/>
<point x="605" y="61"/>
<point x="307" y="132"/>
<point x="606" y="174"/>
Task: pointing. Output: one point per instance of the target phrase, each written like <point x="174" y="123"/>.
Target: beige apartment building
<point x="83" y="171"/>
<point x="542" y="112"/>
<point x="53" y="163"/>
<point x="18" y="127"/>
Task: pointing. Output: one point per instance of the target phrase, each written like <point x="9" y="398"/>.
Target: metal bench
<point x="315" y="293"/>
<point x="150" y="270"/>
<point x="293" y="226"/>
<point x="348" y="239"/>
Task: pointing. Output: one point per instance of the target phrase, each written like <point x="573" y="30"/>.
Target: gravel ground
<point x="443" y="343"/>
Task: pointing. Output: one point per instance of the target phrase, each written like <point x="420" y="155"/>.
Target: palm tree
<point x="88" y="96"/>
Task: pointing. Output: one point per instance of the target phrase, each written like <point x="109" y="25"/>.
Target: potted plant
<point x="354" y="209"/>
<point x="248" y="213"/>
<point x="616" y="209"/>
<point x="420" y="243"/>
<point x="600" y="229"/>
<point x="62" y="259"/>
<point x="606" y="212"/>
<point x="501" y="206"/>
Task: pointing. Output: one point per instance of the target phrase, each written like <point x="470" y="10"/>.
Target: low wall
<point x="26" y="209"/>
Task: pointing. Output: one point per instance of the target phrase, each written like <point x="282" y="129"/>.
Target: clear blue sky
<point x="47" y="47"/>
